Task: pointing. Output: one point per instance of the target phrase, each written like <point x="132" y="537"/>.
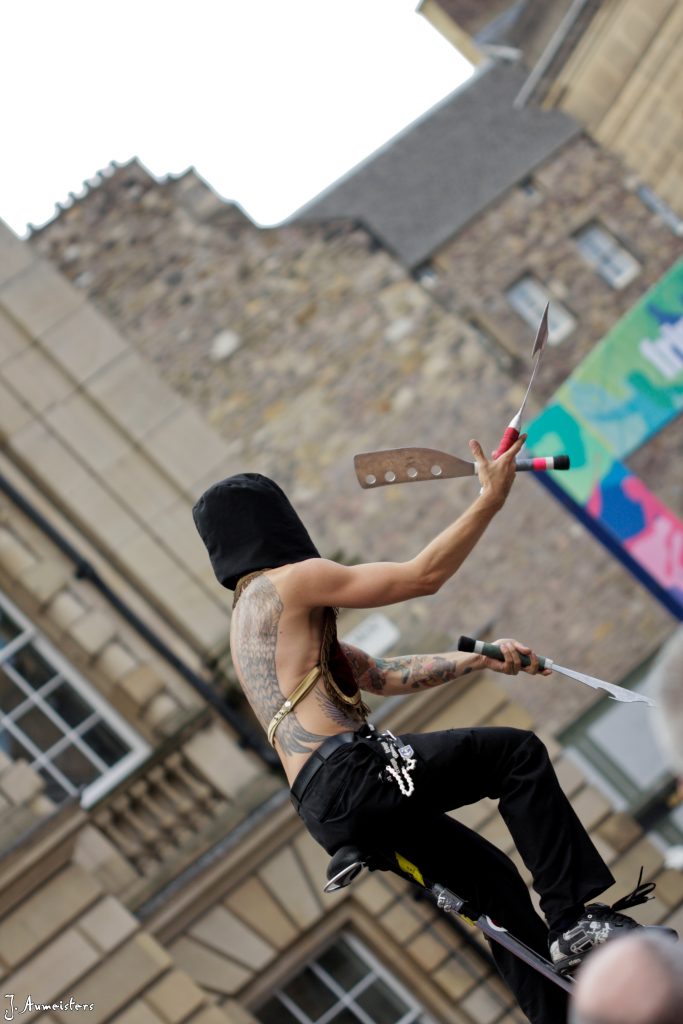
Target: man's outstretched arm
<point x="400" y="676"/>
<point x="318" y="582"/>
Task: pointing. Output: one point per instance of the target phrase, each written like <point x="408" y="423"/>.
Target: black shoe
<point x="597" y="924"/>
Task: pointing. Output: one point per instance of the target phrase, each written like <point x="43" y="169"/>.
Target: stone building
<point x="613" y="65"/>
<point x="152" y="339"/>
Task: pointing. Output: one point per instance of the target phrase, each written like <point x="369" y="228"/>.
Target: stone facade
<point x="152" y="339"/>
<point x="623" y="81"/>
<point x="77" y="434"/>
<point x="232" y="929"/>
<point x="71" y="941"/>
<point x="118" y="452"/>
<point x="613" y="65"/>
<point x="373" y="359"/>
<point x="532" y="230"/>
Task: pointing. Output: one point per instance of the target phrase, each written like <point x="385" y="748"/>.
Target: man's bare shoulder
<point x="312" y="568"/>
<point x="320" y="582"/>
<point x="260" y="599"/>
<point x="304" y="581"/>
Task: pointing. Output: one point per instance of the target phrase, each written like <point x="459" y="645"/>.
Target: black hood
<point x="247" y="523"/>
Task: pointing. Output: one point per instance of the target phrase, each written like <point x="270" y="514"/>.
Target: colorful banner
<point x="631" y="384"/>
<point x="626" y="390"/>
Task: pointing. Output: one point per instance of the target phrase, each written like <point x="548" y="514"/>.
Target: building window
<point x="658" y="206"/>
<point x="616" y="747"/>
<point x="54" y="720"/>
<point x="602" y="251"/>
<point x="528" y="297"/>
<point x="344" y="985"/>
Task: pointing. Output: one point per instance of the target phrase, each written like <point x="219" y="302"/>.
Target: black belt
<point x="315" y="762"/>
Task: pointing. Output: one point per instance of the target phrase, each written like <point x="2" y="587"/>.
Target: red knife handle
<point x="507" y="440"/>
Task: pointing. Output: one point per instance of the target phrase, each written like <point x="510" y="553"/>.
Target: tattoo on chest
<point x="255" y="624"/>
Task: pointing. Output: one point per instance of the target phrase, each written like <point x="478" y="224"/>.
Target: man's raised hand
<point x="496" y="476"/>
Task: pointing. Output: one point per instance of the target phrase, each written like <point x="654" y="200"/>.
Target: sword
<point x="410" y="465"/>
<point x="466" y="643"/>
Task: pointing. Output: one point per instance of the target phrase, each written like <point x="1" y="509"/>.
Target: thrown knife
<point x="466" y="643"/>
<point x="511" y="432"/>
<point x="410" y="465"/>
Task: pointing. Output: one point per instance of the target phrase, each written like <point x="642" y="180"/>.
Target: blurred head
<point x="633" y="980"/>
<point x="247" y="523"/>
<point x="668" y="693"/>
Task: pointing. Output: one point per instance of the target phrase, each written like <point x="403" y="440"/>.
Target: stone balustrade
<point x="163" y="811"/>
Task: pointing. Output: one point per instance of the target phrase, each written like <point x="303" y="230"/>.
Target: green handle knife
<point x="466" y="643"/>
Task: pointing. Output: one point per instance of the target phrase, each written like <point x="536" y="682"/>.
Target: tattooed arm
<point x="389" y="677"/>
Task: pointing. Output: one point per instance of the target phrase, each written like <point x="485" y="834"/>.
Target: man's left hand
<point x="512" y="649"/>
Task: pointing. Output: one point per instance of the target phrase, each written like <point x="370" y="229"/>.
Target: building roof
<point x="419" y="189"/>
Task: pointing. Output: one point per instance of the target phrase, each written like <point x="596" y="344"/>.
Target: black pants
<point x="346" y="803"/>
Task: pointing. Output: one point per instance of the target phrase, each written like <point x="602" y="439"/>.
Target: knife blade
<point x="410" y="465"/>
<point x="512" y="430"/>
<point x="620" y="693"/>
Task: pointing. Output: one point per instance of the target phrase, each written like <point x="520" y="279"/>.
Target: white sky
<point x="271" y="100"/>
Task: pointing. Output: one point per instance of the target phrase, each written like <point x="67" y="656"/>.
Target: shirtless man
<point x="352" y="786"/>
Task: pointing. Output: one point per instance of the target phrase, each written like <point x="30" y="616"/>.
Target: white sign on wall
<point x="374" y="635"/>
